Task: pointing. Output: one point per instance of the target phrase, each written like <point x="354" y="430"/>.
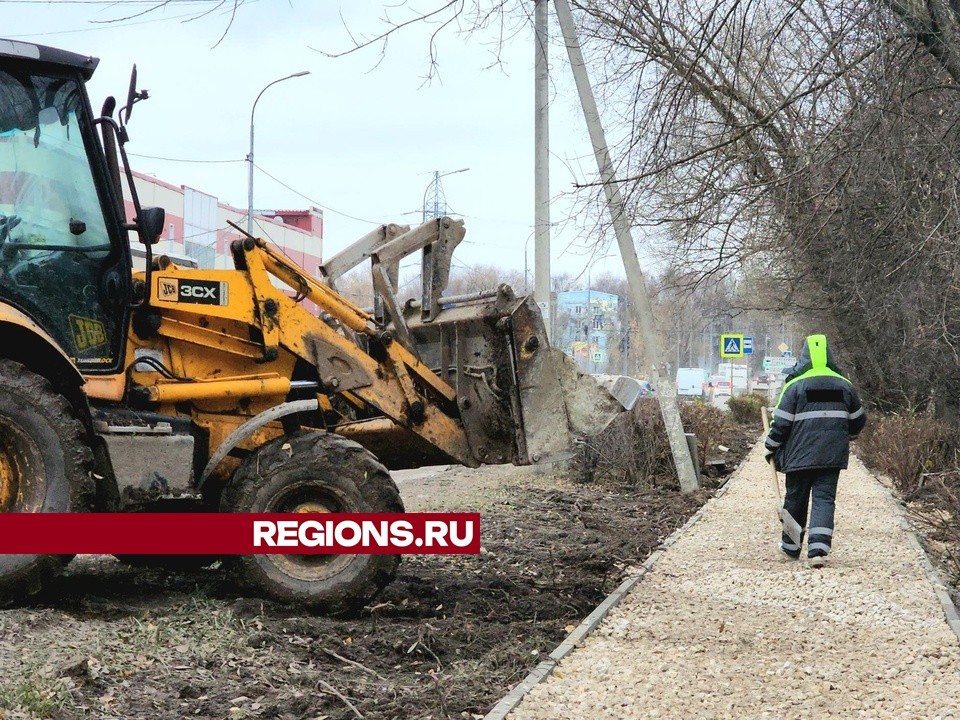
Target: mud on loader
<point x="181" y="389"/>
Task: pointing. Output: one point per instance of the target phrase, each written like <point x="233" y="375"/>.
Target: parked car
<point x="722" y="387"/>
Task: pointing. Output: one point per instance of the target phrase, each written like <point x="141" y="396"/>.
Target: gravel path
<point x="724" y="628"/>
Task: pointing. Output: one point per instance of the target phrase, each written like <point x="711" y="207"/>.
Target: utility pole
<point x="541" y="167"/>
<point x="666" y="391"/>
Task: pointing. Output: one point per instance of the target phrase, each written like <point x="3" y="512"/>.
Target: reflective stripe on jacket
<point x="817" y="414"/>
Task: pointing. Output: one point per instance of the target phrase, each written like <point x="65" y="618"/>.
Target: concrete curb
<point x="933" y="575"/>
<point x="590" y="623"/>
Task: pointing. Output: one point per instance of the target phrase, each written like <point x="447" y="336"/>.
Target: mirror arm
<point x="137" y="210"/>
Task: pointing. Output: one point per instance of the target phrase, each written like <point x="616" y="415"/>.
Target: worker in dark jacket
<point x="817" y="415"/>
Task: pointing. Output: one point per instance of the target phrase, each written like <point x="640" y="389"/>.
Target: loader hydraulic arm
<point x="401" y="358"/>
<point x="385" y="376"/>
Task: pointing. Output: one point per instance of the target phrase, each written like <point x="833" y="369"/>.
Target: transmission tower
<point x="434" y="199"/>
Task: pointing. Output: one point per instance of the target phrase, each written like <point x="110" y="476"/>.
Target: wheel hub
<point x="308" y="498"/>
<point x="312" y="507"/>
<point x="22" y="484"/>
<point x="8" y="482"/>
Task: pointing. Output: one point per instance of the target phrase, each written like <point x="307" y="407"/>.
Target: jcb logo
<point x="87" y="333"/>
<point x="202" y="292"/>
<point x="168" y="289"/>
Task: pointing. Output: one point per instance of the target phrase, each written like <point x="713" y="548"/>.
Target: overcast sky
<point x="356" y="138"/>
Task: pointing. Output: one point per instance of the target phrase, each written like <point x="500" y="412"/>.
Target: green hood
<point x="816" y="360"/>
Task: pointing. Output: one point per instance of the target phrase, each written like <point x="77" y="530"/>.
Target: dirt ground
<point x="446" y="640"/>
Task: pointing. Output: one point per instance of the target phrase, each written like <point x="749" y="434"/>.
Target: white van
<point x="735" y="373"/>
<point x="691" y="381"/>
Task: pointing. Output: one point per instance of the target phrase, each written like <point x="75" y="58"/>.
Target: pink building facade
<point x="197" y="226"/>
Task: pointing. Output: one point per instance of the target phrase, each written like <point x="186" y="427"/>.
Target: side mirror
<point x="150" y="223"/>
<point x="131" y="96"/>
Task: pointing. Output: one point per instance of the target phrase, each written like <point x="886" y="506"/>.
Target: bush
<point x="919" y="453"/>
<point x="706" y="422"/>
<point x="908" y="448"/>
<point x="747" y="409"/>
<point x="634" y="449"/>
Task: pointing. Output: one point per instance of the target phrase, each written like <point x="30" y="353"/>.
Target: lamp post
<point x="250" y="155"/>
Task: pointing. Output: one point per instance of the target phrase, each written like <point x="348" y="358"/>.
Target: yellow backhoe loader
<point x="179" y="388"/>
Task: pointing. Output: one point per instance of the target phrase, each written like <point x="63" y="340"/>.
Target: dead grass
<point x="921" y="455"/>
<point x="37" y="694"/>
<point x="910" y="449"/>
<point x="634" y="449"/>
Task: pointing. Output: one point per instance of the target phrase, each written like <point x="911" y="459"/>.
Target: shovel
<point x="790" y="526"/>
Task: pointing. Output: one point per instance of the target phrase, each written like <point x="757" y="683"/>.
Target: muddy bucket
<point x="520" y="400"/>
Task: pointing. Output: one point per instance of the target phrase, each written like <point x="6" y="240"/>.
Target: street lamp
<point x="250" y="156"/>
<point x="438" y="195"/>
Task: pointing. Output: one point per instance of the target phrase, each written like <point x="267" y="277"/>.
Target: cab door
<point x="64" y="259"/>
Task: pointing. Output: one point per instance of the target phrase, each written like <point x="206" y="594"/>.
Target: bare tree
<point x="936" y="25"/>
<point x="719" y="104"/>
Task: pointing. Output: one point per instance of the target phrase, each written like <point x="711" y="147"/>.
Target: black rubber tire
<point x="305" y="467"/>
<point x="44" y="467"/>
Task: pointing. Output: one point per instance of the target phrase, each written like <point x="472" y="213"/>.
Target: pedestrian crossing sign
<point x="731" y="346"/>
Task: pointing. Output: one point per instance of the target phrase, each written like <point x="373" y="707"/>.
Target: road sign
<point x="783" y="347"/>
<point x="748" y="345"/>
<point x="777" y="364"/>
<point x="731" y="346"/>
<point x="597" y="357"/>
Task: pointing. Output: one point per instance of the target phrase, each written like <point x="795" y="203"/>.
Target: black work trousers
<point x="816" y="489"/>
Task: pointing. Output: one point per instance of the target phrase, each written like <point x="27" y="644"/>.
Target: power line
<point x="181" y="160"/>
<point x="318" y="204"/>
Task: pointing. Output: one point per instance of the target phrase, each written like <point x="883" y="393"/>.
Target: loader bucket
<point x="520" y="400"/>
<point x="517" y="400"/>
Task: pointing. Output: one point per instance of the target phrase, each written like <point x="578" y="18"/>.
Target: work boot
<point x="790" y="553"/>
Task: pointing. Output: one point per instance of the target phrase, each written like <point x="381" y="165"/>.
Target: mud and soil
<point x="446" y="640"/>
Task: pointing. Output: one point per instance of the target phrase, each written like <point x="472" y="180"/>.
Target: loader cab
<point x="64" y="255"/>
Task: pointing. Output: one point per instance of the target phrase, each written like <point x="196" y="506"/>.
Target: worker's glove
<point x="768" y="456"/>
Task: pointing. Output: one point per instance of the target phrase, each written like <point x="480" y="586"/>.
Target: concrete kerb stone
<point x="593" y="620"/>
<point x="933" y="575"/>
